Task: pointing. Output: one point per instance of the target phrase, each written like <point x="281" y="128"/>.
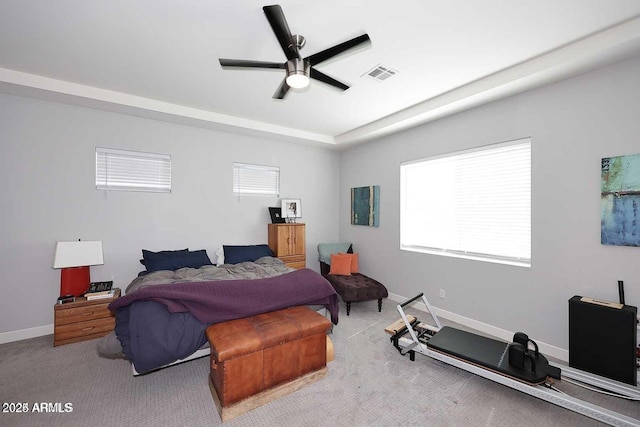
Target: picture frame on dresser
<point x="276" y="216"/>
<point x="291" y="209"/>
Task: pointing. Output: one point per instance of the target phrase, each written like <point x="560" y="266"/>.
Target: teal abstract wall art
<point x="365" y="205"/>
<point x="620" y="201"/>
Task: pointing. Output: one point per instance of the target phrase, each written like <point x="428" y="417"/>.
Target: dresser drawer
<point x="296" y="264"/>
<point x="79" y="331"/>
<point x="294" y="261"/>
<point x="82" y="314"/>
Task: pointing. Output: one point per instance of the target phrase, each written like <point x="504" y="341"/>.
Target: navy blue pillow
<point x="174" y="260"/>
<point x="236" y="254"/>
<point x="163" y="260"/>
<point x="196" y="259"/>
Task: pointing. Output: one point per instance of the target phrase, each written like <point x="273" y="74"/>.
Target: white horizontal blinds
<point x="474" y="203"/>
<point x="256" y="179"/>
<point x="132" y="171"/>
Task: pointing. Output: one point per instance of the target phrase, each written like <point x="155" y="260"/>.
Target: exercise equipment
<point x="518" y="364"/>
<point x="614" y="327"/>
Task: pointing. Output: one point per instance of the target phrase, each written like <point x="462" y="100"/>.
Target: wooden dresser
<point x="287" y="241"/>
<point x="82" y="320"/>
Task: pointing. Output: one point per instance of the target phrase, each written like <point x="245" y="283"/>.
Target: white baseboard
<point x="546" y="349"/>
<point x="23" y="334"/>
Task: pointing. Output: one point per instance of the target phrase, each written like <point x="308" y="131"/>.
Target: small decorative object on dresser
<point x="291" y="209"/>
<point x="287" y="241"/>
<point x="276" y="216"/>
<point x="82" y="319"/>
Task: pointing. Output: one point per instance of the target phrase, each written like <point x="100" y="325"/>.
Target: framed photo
<point x="291" y="209"/>
<point x="276" y="216"/>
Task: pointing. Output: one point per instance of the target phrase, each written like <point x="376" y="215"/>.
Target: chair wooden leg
<point x="379" y="305"/>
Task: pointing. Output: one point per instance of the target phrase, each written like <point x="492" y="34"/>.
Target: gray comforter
<point x="261" y="269"/>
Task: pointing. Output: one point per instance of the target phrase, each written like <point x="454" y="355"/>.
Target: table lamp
<point x="75" y="258"/>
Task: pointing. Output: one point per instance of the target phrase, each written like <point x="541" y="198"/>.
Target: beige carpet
<point x="368" y="384"/>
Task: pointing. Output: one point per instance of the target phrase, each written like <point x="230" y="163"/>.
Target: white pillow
<point x="220" y="256"/>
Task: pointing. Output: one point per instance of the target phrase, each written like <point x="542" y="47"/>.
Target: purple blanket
<point x="218" y="301"/>
<point x="160" y="324"/>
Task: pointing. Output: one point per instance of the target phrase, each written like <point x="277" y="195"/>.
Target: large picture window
<point x="472" y="204"/>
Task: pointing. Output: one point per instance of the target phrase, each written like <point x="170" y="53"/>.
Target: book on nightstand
<point x="90" y="296"/>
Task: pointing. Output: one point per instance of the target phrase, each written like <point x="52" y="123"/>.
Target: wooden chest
<point x="260" y="358"/>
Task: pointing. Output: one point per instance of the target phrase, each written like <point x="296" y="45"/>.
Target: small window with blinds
<point x="132" y="171"/>
<point x="473" y="204"/>
<point x="256" y="180"/>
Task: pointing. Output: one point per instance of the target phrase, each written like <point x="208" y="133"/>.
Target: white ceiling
<point x="159" y="58"/>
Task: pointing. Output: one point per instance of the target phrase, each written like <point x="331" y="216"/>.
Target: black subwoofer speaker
<point x="602" y="339"/>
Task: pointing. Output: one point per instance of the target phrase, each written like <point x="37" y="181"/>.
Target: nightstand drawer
<point x="82" y="314"/>
<point x="79" y="331"/>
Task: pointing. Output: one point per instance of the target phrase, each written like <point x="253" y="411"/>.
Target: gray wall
<point x="572" y="124"/>
<point x="47" y="167"/>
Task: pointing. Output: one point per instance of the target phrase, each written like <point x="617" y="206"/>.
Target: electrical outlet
<point x="442" y="294"/>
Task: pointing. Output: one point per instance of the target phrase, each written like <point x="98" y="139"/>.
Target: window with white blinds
<point x="132" y="171"/>
<point x="256" y="179"/>
<point x="472" y="204"/>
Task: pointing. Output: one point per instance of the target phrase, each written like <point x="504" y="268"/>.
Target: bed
<point x="164" y="313"/>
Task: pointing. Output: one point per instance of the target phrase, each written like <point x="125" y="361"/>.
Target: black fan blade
<point x="243" y="63"/>
<point x="319" y="57"/>
<point x="282" y="90"/>
<point x="322" y="77"/>
<point x="281" y="29"/>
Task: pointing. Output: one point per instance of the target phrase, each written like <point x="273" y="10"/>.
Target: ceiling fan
<point x="299" y="70"/>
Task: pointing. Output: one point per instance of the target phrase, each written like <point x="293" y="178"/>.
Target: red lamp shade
<point x="74" y="258"/>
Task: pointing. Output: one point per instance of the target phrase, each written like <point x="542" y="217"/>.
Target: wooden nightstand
<point x="82" y="320"/>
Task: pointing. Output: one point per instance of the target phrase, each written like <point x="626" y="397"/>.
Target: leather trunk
<point x="256" y="353"/>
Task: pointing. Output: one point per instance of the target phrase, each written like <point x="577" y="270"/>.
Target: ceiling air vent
<point x="381" y="73"/>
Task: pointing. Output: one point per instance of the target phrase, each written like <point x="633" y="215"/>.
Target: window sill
<point x="514" y="263"/>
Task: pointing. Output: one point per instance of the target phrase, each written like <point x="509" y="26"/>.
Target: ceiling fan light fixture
<point x="297" y="73"/>
<point x="297" y="81"/>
